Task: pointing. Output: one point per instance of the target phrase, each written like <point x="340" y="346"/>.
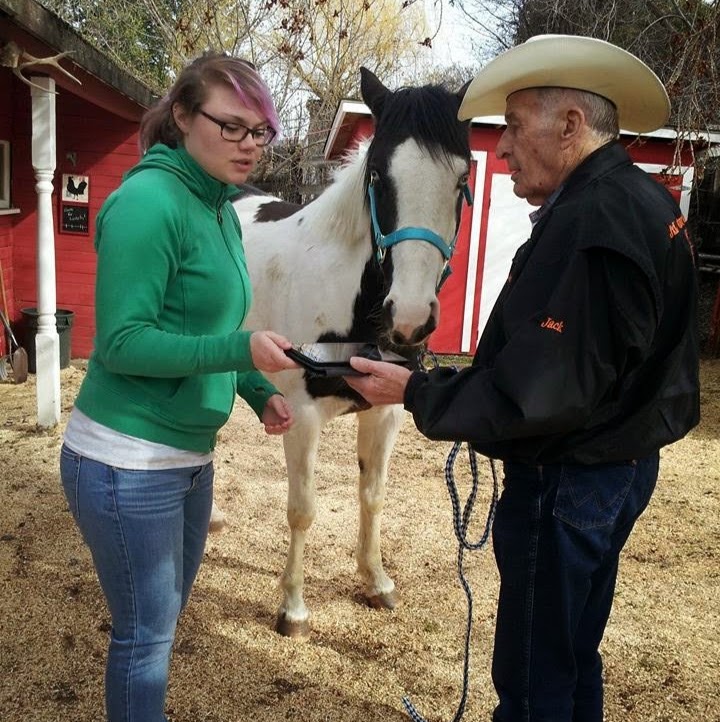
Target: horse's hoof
<point x="387" y="600"/>
<point x="218" y="523"/>
<point x="288" y="628"/>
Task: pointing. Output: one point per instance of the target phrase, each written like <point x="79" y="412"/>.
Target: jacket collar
<point x="601" y="161"/>
<point x="206" y="186"/>
<point x="194" y="176"/>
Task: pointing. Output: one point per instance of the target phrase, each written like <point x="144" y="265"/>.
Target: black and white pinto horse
<point x="326" y="272"/>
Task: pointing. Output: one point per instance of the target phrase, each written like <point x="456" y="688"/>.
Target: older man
<point x="588" y="364"/>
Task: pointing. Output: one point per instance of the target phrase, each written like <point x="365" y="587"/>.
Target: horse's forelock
<point x="427" y="114"/>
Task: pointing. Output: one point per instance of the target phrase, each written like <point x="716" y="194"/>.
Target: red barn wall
<point x="90" y="142"/>
<point x="7" y="219"/>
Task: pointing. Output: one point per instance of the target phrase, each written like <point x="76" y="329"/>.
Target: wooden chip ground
<point x="661" y="650"/>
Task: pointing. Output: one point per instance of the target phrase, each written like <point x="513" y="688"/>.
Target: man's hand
<point x="384" y="383"/>
<point x="277" y="415"/>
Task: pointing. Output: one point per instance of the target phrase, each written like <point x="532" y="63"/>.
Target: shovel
<point x="18" y="357"/>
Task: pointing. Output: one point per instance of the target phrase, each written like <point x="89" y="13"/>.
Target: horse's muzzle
<point x="408" y="334"/>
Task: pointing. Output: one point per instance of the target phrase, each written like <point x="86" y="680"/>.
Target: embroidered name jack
<point x="553" y="325"/>
<point x="676" y="226"/>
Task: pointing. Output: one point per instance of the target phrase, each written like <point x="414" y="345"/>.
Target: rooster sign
<point x="75" y="188"/>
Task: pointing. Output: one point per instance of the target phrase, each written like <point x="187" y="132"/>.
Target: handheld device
<point x="333" y="358"/>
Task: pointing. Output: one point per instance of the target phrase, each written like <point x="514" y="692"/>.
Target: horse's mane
<point x="346" y="192"/>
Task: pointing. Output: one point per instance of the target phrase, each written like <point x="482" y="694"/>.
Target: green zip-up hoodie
<point x="172" y="292"/>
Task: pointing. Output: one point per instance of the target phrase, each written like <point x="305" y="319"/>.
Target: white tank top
<point x="100" y="443"/>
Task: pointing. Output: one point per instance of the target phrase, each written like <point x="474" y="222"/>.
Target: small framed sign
<point x="74" y="219"/>
<point x="75" y="188"/>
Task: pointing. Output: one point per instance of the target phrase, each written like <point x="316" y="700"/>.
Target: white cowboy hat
<point x="571" y="61"/>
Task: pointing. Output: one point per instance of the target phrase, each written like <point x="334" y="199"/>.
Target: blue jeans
<point x="557" y="536"/>
<point x="146" y="531"/>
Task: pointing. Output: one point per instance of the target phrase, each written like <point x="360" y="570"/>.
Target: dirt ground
<point x="661" y="650"/>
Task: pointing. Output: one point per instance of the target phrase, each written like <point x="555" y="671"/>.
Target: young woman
<point x="170" y="354"/>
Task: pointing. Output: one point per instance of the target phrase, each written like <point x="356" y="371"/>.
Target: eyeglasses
<point x="237" y="132"/>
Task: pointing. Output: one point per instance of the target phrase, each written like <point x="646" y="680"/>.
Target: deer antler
<point x="13" y="56"/>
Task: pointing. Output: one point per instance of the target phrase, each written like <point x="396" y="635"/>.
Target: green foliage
<point x="123" y="31"/>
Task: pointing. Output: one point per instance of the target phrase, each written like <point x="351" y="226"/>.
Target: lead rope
<point x="460" y="526"/>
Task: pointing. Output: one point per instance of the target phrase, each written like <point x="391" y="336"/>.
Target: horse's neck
<point x="340" y="214"/>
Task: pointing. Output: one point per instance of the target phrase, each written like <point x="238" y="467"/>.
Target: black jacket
<point x="590" y="354"/>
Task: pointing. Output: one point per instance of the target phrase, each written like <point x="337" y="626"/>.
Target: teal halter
<point x="410" y="233"/>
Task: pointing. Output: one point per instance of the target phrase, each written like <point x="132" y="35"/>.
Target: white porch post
<point x="47" y="341"/>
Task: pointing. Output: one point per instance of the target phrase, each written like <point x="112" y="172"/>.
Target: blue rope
<point x="460" y="525"/>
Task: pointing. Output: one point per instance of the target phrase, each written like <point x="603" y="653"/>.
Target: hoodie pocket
<point x="200" y="403"/>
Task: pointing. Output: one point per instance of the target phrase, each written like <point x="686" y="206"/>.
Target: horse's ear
<point x="461" y="93"/>
<point x="373" y="91"/>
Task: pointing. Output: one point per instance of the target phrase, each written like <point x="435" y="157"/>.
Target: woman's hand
<point x="277" y="415"/>
<point x="268" y="352"/>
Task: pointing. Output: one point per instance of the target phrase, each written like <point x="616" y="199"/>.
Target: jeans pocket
<point x="589" y="497"/>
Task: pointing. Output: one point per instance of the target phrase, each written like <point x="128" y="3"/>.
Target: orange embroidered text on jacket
<point x="676" y="226"/>
<point x="552" y="324"/>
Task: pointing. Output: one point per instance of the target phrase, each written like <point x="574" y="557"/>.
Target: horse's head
<point x="417" y="169"/>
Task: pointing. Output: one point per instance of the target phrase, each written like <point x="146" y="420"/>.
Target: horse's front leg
<point x="377" y="430"/>
<point x="301" y="444"/>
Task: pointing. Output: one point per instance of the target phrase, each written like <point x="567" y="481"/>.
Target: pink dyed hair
<point x="190" y="91"/>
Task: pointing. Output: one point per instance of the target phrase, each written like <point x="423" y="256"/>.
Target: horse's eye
<point x="464" y="178"/>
